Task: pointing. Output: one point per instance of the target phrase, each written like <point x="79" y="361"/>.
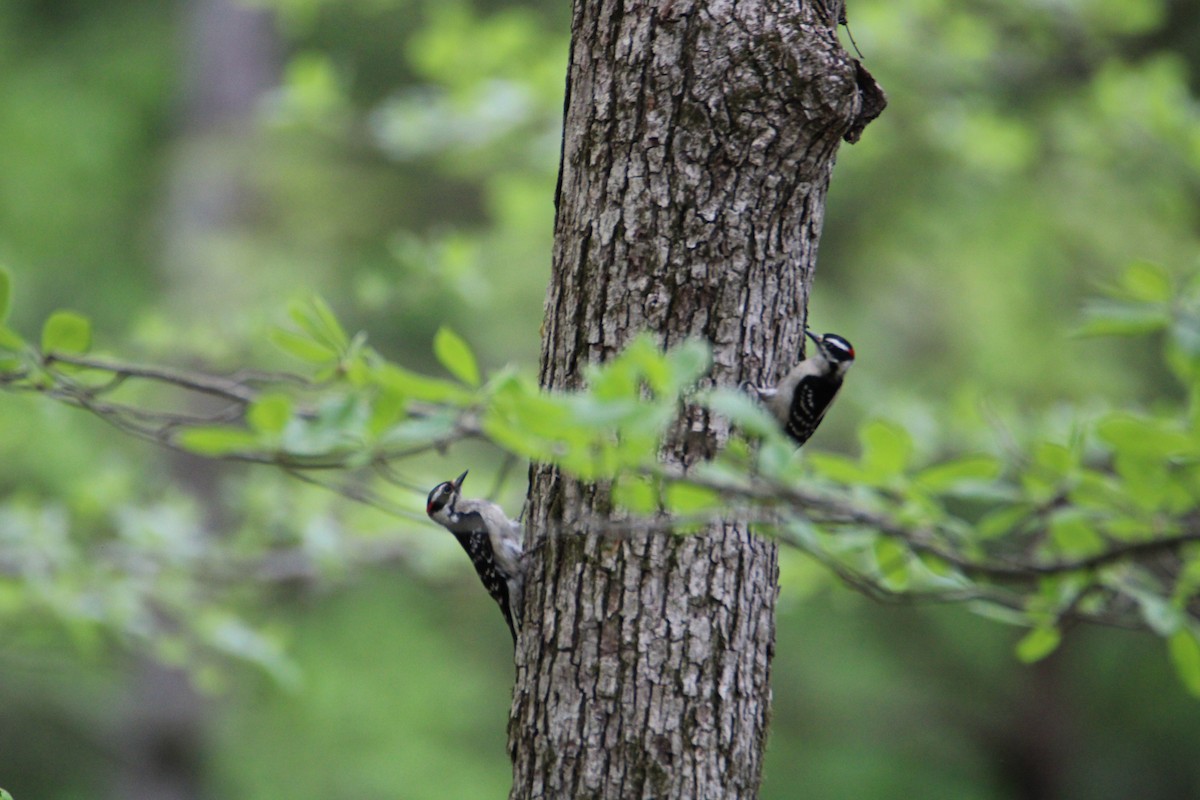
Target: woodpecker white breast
<point x="492" y="542"/>
<point x="801" y="399"/>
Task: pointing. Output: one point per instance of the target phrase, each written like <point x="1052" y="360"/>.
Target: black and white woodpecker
<point x="492" y="542"/>
<point x="801" y="399"/>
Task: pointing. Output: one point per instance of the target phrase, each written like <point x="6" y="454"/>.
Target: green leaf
<point x="1183" y="348"/>
<point x="886" y="450"/>
<point x="5" y="293"/>
<point x="963" y="473"/>
<point x="1188" y="583"/>
<point x="338" y="423"/>
<point x="1161" y="615"/>
<point x="1185" y="655"/>
<point x="892" y="559"/>
<point x="686" y="498"/>
<point x="270" y="413"/>
<point x="413" y="385"/>
<point x="650" y="365"/>
<point x="329" y="322"/>
<point x="1052" y="464"/>
<point x="936" y="565"/>
<point x="776" y="457"/>
<point x="836" y="468"/>
<point x="1117" y="318"/>
<point x="742" y="410"/>
<point x="387" y="408"/>
<point x="456" y="356"/>
<point x="800" y="533"/>
<point x="621" y="376"/>
<point x="998" y="613"/>
<point x="1146" y="437"/>
<point x="316" y="318"/>
<point x="1096" y="491"/>
<point x="1055" y="460"/>
<point x="66" y="332"/>
<point x="1146" y="482"/>
<point x="1074" y="534"/>
<point x="1147" y="282"/>
<point x="10" y="339"/>
<point x="638" y="495"/>
<point x="604" y="414"/>
<point x="419" y="430"/>
<point x="688" y="361"/>
<point x="522" y="419"/>
<point x="5" y="795"/>
<point x="302" y="347"/>
<point x="1055" y="594"/>
<point x="1038" y="643"/>
<point x="217" y="440"/>
<point x="355" y="362"/>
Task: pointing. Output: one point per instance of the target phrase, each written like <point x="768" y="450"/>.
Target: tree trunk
<point x="698" y="144"/>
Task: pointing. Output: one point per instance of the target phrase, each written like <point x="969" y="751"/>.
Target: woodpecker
<point x="801" y="399"/>
<point x="492" y="542"/>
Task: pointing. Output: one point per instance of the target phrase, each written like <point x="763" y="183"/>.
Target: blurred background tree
<point x="178" y="171"/>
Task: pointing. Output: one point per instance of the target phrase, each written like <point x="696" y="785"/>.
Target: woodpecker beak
<point x="816" y="339"/>
<point x="459" y="480"/>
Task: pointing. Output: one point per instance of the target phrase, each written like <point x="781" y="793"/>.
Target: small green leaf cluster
<point x="63" y="332"/>
<point x="614" y="425"/>
<point x="353" y="407"/>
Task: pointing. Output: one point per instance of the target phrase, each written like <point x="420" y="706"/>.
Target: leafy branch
<point x="1100" y="526"/>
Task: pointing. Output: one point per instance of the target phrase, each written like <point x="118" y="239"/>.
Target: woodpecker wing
<point x="478" y="545"/>
<point x="505" y="539"/>
<point x="813" y="396"/>
<point x="505" y="535"/>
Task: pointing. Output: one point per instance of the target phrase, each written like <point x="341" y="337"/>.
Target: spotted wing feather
<point x="813" y="396"/>
<point x="473" y="537"/>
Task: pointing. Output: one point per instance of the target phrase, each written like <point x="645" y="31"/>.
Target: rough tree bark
<point x="698" y="144"/>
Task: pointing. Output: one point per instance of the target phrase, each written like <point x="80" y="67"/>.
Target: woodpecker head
<point x="443" y="498"/>
<point x="834" y="349"/>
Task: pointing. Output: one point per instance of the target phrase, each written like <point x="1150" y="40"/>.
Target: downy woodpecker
<point x="492" y="542"/>
<point x="801" y="399"/>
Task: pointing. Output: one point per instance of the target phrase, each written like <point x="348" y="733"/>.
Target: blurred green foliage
<point x="404" y="168"/>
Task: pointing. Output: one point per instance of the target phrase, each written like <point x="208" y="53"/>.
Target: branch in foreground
<point x="772" y="504"/>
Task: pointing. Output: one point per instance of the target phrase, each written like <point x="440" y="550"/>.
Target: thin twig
<point x="358" y="493"/>
<point x="197" y="382"/>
